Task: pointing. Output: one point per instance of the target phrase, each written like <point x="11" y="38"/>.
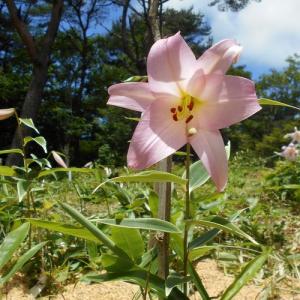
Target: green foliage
<point x="247" y="274"/>
<point x="10" y="246"/>
<point x="283" y="181"/>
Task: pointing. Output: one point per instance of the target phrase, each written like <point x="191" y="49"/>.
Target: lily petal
<point x="156" y="136"/>
<point x="6" y="113"/>
<point x="219" y="57"/>
<point x="226" y="100"/>
<point x="170" y="61"/>
<point x="210" y="148"/>
<point x="132" y="95"/>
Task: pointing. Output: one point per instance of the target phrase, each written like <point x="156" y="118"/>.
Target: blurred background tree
<point x="99" y="43"/>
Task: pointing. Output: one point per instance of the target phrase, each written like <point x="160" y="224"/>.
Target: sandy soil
<point x="213" y="278"/>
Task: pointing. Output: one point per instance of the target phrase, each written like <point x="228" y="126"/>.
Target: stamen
<point x="175" y="118"/>
<point x="180" y="108"/>
<point x="189" y="119"/>
<point x="191" y="105"/>
<point x="173" y="110"/>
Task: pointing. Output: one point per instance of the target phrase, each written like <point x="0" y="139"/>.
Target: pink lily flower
<point x="186" y="100"/>
<point x="295" y="136"/>
<point x="289" y="152"/>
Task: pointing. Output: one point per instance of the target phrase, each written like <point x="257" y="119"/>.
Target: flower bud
<point x="6" y="113"/>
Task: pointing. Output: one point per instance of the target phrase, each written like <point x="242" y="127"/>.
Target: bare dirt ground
<point x="213" y="278"/>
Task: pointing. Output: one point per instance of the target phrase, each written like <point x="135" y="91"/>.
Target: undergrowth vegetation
<point x="258" y="210"/>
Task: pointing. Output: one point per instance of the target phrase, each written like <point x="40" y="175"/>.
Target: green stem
<point x="29" y="199"/>
<point x="186" y="215"/>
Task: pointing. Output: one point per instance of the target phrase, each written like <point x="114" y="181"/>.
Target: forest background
<point x="58" y="58"/>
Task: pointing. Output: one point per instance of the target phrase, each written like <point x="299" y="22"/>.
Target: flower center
<point x="184" y="110"/>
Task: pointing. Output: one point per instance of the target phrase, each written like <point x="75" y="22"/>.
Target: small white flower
<point x="295" y="136"/>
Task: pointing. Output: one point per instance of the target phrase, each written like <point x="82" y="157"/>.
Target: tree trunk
<point x="40" y="57"/>
<point x="29" y="109"/>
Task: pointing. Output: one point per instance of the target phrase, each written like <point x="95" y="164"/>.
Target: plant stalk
<point x="186" y="215"/>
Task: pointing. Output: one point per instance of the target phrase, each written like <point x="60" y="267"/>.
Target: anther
<point x="175" y="117"/>
<point x="191" y="105"/>
<point x="180" y="108"/>
<point x="173" y="110"/>
<point x="189" y="119"/>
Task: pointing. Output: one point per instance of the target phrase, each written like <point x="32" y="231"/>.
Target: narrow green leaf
<point x="177" y="246"/>
<point x="130" y="240"/>
<point x="92" y="250"/>
<point x="174" y="280"/>
<point x="78" y="232"/>
<point x="22" y="188"/>
<point x="11" y="243"/>
<point x="200" y="251"/>
<point x="40" y="140"/>
<point x="19" y="151"/>
<point x="140" y="277"/>
<point x="291" y="186"/>
<point x="92" y="228"/>
<point x="182" y="153"/>
<point x="265" y="101"/>
<point x="223" y="224"/>
<point x="7" y="171"/>
<point x="153" y="202"/>
<point x="141" y="223"/>
<point x="113" y="263"/>
<point x="137" y="276"/>
<point x="146" y="176"/>
<point x="148" y="257"/>
<point x="133" y="119"/>
<point x="204" y="238"/>
<point x="54" y="170"/>
<point x="197" y="281"/>
<point x="198" y="173"/>
<point x="29" y="123"/>
<point x="20" y="262"/>
<point x="136" y="78"/>
<point x="247" y="274"/>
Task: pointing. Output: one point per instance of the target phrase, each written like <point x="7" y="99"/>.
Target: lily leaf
<point x="20" y="262"/>
<point x="146" y="176"/>
<point x="141" y="223"/>
<point x="19" y="151"/>
<point x="29" y="123"/>
<point x="75" y="231"/>
<point x="40" y="140"/>
<point x="7" y="171"/>
<point x="265" y="101"/>
<point x="247" y="274"/>
<point x="223" y="224"/>
<point x="12" y="242"/>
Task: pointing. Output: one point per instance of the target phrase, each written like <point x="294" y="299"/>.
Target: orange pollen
<point x="175" y="117"/>
<point x="180" y="108"/>
<point x="189" y="119"/>
<point x="173" y="110"/>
